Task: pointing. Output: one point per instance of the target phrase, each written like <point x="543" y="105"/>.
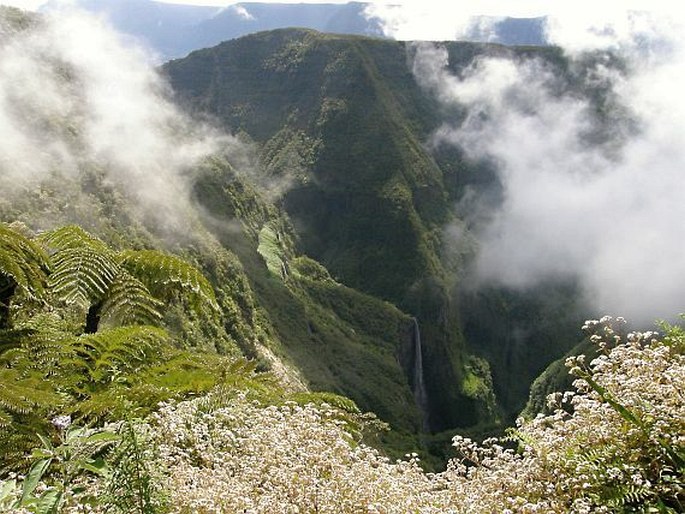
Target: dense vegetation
<point x="614" y="445"/>
<point x="274" y="305"/>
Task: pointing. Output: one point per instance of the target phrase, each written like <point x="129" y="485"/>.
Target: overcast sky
<point x="493" y="7"/>
<point x="517" y="8"/>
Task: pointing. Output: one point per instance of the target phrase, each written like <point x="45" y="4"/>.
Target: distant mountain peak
<point x="174" y="30"/>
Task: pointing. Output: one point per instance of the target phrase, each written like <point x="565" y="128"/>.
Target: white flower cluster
<point x="285" y="459"/>
<point x="614" y="442"/>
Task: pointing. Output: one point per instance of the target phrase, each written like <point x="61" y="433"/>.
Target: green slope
<point x="326" y="246"/>
<point x="342" y="121"/>
<point x="342" y="130"/>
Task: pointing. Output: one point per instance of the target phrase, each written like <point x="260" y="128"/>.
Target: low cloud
<point x="599" y="202"/>
<point x="75" y="95"/>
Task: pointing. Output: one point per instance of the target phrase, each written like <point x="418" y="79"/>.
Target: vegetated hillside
<point x="339" y="128"/>
<point x="342" y="126"/>
<point x="275" y="306"/>
<point x="122" y="387"/>
<point x="174" y="30"/>
<point x="341" y="122"/>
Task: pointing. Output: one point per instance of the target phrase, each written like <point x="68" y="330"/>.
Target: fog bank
<point x="76" y="96"/>
<point x="582" y="198"/>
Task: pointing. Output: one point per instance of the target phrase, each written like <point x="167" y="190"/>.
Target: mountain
<point x="342" y="123"/>
<point x="180" y="304"/>
<point x="128" y="180"/>
<point x="325" y="224"/>
<point x="173" y="30"/>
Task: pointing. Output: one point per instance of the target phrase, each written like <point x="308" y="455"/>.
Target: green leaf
<point x="97" y="466"/>
<point x="47" y="444"/>
<point x="41" y="453"/>
<point x="101" y="437"/>
<point x="83" y="265"/>
<point x="165" y="275"/>
<point x="23" y="261"/>
<point x="35" y="474"/>
<point x="49" y="501"/>
<point x="73" y="434"/>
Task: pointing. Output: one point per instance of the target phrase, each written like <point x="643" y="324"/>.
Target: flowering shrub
<point x="615" y="444"/>
<point x="248" y="458"/>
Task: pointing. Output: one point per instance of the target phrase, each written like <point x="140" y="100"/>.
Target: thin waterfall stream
<point x="420" y="394"/>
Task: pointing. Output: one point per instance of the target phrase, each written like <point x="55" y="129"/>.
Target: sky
<point x="493" y="7"/>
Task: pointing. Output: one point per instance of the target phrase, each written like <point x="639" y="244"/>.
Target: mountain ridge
<point x="343" y="122"/>
<point x="174" y="30"/>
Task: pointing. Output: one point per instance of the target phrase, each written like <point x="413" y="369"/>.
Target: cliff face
<point x="341" y="125"/>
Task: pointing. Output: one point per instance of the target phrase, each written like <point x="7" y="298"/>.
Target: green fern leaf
<point x="5" y="418"/>
<point x="72" y="236"/>
<point x="129" y="302"/>
<point x="82" y="275"/>
<point x="83" y="265"/>
<point x="121" y="349"/>
<point x="23" y="261"/>
<point x="166" y="275"/>
<point x="21" y="395"/>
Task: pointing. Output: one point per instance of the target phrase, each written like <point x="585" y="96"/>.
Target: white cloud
<point x="610" y="214"/>
<point x="242" y="12"/>
<point x="74" y="96"/>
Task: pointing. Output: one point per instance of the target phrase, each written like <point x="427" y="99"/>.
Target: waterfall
<point x="419" y="384"/>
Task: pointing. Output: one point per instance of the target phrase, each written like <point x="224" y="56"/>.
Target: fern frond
<point x="83" y="265"/>
<point x="166" y="274"/>
<point x="21" y="395"/>
<point x="72" y="236"/>
<point x="118" y="350"/>
<point x="12" y="338"/>
<point x="129" y="302"/>
<point x="16" y="442"/>
<point x="23" y="261"/>
<point x="82" y="275"/>
<point x="623" y="495"/>
<point x="5" y="418"/>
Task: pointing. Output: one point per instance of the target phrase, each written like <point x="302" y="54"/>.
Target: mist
<point x="599" y="202"/>
<point x="76" y="96"/>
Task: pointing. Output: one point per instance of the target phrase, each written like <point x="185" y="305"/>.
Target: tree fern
<point x="118" y="350"/>
<point x="20" y="394"/>
<point x="23" y="265"/>
<point x="166" y="275"/>
<point x="21" y="399"/>
<point x="129" y="302"/>
<point x="72" y="236"/>
<point x="22" y="260"/>
<point x="83" y="266"/>
<point x="123" y="288"/>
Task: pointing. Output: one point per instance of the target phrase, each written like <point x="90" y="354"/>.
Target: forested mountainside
<point x="327" y="225"/>
<point x="135" y="181"/>
<point x="329" y="171"/>
<point x="344" y="129"/>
